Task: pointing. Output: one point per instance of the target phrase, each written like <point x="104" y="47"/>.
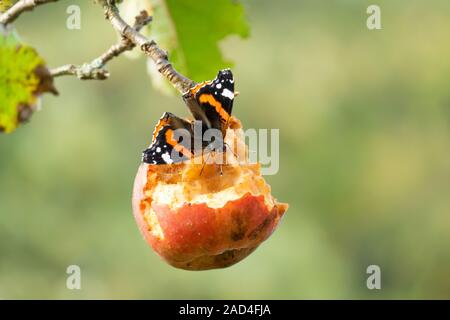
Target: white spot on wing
<point x="227" y="93"/>
<point x="166" y="158"/>
<point x="158" y="149"/>
<point x="218" y="86"/>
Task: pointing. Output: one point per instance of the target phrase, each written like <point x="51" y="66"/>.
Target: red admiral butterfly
<point x="211" y="103"/>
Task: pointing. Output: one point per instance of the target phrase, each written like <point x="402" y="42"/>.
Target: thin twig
<point x="130" y="37"/>
<point x="87" y="71"/>
<point x="18" y="8"/>
<point x="149" y="47"/>
<point x="95" y="70"/>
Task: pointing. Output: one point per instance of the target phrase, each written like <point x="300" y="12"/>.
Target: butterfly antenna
<point x="204" y="164"/>
<point x="232" y="151"/>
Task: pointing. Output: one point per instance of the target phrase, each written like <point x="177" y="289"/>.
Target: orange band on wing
<point x="178" y="147"/>
<point x="198" y="86"/>
<point x="208" y="98"/>
<point x="161" y="123"/>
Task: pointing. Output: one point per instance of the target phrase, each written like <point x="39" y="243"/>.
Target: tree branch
<point x="18" y="8"/>
<point x="131" y="37"/>
<point x="149" y="47"/>
<point x="95" y="70"/>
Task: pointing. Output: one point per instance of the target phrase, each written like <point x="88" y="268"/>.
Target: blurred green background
<point x="364" y="120"/>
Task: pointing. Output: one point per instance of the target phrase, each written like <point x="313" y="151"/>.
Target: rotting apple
<point x="196" y="218"/>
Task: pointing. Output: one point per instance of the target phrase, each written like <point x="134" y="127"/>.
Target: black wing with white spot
<point x="214" y="100"/>
<point x="171" y="142"/>
<point x="222" y="90"/>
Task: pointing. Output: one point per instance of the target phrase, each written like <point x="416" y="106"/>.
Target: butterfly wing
<point x="214" y="100"/>
<point x="171" y="142"/>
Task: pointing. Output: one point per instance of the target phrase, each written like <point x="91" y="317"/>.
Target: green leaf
<point x="23" y="78"/>
<point x="190" y="30"/>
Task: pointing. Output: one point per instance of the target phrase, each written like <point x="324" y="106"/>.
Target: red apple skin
<point x="197" y="237"/>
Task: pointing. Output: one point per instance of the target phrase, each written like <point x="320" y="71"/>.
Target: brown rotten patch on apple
<point x="197" y="219"/>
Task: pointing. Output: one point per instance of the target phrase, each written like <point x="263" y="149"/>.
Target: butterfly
<point x="210" y="103"/>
